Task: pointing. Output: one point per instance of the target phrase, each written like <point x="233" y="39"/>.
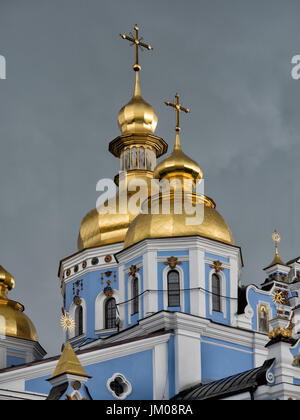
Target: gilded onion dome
<point x="13" y="321"/>
<point x="137" y="148"/>
<point x="150" y="226"/>
<point x="178" y="164"/>
<point x="137" y="116"/>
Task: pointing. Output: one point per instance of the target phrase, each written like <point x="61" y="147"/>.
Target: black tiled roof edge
<point x="247" y="381"/>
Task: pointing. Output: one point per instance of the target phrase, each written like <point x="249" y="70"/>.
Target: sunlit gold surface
<point x="13" y="322"/>
<point x="137" y="116"/>
<point x="6" y="278"/>
<point x="105" y="229"/>
<point x="178" y="165"/>
<point x="69" y="364"/>
<point x="150" y="226"/>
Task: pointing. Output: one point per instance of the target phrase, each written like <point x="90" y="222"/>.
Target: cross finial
<point x="178" y="108"/>
<point x="276" y="238"/>
<point x="137" y="42"/>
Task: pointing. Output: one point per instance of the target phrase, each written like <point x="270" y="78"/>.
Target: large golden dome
<point x="150" y="226"/>
<point x="137" y="116"/>
<point x="13" y="321"/>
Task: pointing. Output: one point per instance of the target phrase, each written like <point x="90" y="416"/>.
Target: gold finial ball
<point x="137" y="67"/>
<point x="276" y="237"/>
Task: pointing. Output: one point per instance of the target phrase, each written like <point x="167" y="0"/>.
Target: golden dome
<point x="104" y="229"/>
<point x="178" y="164"/>
<point x="137" y="116"/>
<point x="150" y="226"/>
<point x="13" y="321"/>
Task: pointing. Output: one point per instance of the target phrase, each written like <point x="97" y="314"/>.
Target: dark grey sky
<point x="69" y="73"/>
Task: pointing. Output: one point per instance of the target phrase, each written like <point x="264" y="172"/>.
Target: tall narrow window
<point x="78" y="321"/>
<point x="173" y="288"/>
<point x="216" y="293"/>
<point x="135" y="294"/>
<point x="110" y="313"/>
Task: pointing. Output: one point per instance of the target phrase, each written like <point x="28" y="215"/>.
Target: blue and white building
<point x="159" y="305"/>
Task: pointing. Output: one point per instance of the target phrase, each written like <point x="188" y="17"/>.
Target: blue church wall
<point x="219" y="317"/>
<point x="257" y="297"/>
<point x="185" y="267"/>
<point x="133" y="318"/>
<point x="220" y="359"/>
<point x="15" y="361"/>
<point x="93" y="284"/>
<point x="137" y="369"/>
<point x="38" y="385"/>
<point x="17" y="358"/>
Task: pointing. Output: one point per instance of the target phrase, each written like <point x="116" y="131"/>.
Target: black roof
<point x="223" y="388"/>
<point x="293" y="261"/>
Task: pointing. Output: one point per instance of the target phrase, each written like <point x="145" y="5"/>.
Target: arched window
<point x="263" y="320"/>
<point x="78" y="321"/>
<point x="216" y="293"/>
<point x="135" y="294"/>
<point x="110" y="313"/>
<point x="173" y="288"/>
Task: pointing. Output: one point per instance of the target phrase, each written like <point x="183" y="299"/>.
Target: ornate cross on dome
<point x="138" y="44"/>
<point x="276" y="239"/>
<point x="178" y="108"/>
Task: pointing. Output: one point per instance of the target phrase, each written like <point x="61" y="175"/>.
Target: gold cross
<point x="172" y="262"/>
<point x="217" y="265"/>
<point x="138" y="44"/>
<point x="178" y="107"/>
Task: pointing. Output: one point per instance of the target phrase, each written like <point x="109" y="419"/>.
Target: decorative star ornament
<point x="67" y="322"/>
<point x="278" y="297"/>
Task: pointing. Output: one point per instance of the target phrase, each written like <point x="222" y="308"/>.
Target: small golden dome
<point x="178" y="164"/>
<point x="13" y="322"/>
<point x="150" y="226"/>
<point x="137" y="116"/>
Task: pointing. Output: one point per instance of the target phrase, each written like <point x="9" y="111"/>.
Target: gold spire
<point x="137" y="42"/>
<point x="276" y="239"/>
<point x="69" y="364"/>
<point x="178" y="164"/>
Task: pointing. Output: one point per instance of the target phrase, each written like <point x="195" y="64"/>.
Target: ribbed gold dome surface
<point x="150" y="226"/>
<point x="13" y="321"/>
<point x="137" y="116"/>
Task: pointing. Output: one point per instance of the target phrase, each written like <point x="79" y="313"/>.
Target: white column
<point x="160" y="372"/>
<point x="187" y="359"/>
<point x="197" y="279"/>
<point x="150" y="282"/>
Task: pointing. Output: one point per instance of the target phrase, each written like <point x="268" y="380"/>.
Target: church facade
<point x="154" y="307"/>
